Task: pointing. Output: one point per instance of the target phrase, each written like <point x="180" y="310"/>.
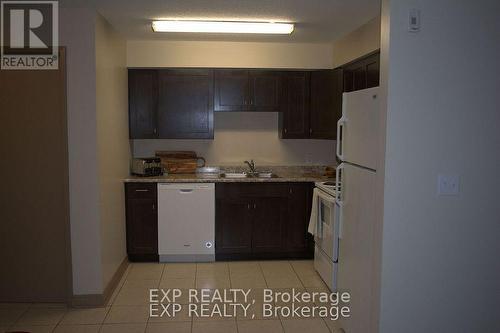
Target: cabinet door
<point x="299" y="211"/>
<point x="185" y="104"/>
<point x="233" y="227"/>
<point x="326" y="103"/>
<point x="268" y="229"/>
<point x="362" y="73"/>
<point x="142" y="103"/>
<point x="294" y="118"/>
<point x="264" y="91"/>
<point x="142" y="221"/>
<point x="231" y="90"/>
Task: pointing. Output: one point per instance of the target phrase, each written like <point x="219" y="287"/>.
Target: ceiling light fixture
<point x="234" y="27"/>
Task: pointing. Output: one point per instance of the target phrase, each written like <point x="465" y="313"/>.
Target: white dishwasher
<point x="186" y="222"/>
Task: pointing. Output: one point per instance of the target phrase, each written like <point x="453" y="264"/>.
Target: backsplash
<point x="242" y="136"/>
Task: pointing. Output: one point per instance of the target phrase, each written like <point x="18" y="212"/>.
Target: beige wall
<point x="361" y="41"/>
<point x="238" y="136"/>
<point x="77" y="35"/>
<point x="112" y="143"/>
<point x="241" y="136"/>
<point x="228" y="54"/>
<point x="440" y="270"/>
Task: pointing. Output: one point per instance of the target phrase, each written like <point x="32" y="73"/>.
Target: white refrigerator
<point x="357" y="148"/>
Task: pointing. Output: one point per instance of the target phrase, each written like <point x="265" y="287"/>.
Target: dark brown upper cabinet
<point x="143" y="93"/>
<point x="362" y="73"/>
<point x="247" y="90"/>
<point x="185" y="104"/>
<point x="312" y="104"/>
<point x="326" y="103"/>
<point x="171" y="103"/>
<point x="294" y="116"/>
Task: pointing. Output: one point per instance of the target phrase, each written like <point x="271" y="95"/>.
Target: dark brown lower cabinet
<point x="142" y="221"/>
<point x="262" y="221"/>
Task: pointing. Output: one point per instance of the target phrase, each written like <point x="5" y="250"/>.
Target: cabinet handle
<point x="286" y="130"/>
<point x="154" y="207"/>
<point x="248" y="206"/>
<point x="154" y="130"/>
<point x="290" y="190"/>
<point x="254" y="206"/>
<point x="142" y="190"/>
<point x="310" y="131"/>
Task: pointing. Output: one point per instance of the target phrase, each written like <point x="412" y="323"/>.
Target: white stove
<point x="329" y="187"/>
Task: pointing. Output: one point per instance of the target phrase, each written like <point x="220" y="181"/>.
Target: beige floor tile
<point x="179" y="270"/>
<point x="141" y="284"/>
<point x="207" y="312"/>
<point x="312" y="281"/>
<point x="333" y="325"/>
<point x="303" y="267"/>
<point x="259" y="326"/>
<point x="253" y="281"/>
<point x="286" y="281"/>
<point x="304" y="325"/>
<point x="225" y="326"/>
<point x="77" y="329"/>
<point x="15" y="305"/>
<point x="170" y="316"/>
<point x="42" y="316"/>
<point x="9" y="315"/>
<point x="276" y="269"/>
<point x="123" y="328"/>
<point x="215" y="269"/>
<point x="244" y="268"/>
<point x="133" y="296"/>
<point x="145" y="271"/>
<point x="172" y="327"/>
<point x="84" y="316"/>
<point x="287" y="299"/>
<point x="32" y="328"/>
<point x="181" y="283"/>
<point x="119" y="314"/>
<point x="254" y="312"/>
<point x="213" y="283"/>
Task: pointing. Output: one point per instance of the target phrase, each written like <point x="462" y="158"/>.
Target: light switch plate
<point x="414" y="20"/>
<point x="448" y="184"/>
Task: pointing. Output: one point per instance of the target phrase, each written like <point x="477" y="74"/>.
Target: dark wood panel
<point x="294" y="118"/>
<point x="185" y="104"/>
<point x="326" y="103"/>
<point x="143" y="93"/>
<point x="233" y="229"/>
<point x="142" y="221"/>
<point x="231" y="90"/>
<point x="362" y="73"/>
<point x="264" y="91"/>
<point x="268" y="228"/>
<point x="299" y="210"/>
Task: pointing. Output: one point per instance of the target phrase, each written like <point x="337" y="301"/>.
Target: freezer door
<point x="358" y="128"/>
<point x="355" y="263"/>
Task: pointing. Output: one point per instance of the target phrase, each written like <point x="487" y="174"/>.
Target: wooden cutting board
<point x="180" y="161"/>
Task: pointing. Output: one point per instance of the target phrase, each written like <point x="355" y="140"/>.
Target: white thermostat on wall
<point x="414" y="20"/>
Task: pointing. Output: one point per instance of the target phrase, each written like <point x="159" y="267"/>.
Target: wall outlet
<point x="448" y="184"/>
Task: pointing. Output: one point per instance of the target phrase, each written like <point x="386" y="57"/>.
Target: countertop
<point x="285" y="174"/>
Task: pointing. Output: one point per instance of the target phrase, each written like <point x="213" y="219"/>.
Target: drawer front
<point x="140" y="190"/>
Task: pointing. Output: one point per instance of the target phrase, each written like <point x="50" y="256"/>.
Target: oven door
<point x="326" y="237"/>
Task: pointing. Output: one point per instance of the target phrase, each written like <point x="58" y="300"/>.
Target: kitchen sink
<point x="248" y="175"/>
<point x="234" y="175"/>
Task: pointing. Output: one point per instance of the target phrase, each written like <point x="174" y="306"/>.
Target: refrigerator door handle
<point x="339" y="187"/>
<point x="340" y="133"/>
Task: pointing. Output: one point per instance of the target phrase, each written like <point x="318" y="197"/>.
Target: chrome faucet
<point x="251" y="165"/>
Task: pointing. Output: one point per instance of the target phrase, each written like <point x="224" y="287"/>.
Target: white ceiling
<point x="316" y="20"/>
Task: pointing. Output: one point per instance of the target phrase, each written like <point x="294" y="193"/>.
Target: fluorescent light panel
<point x="222" y="27"/>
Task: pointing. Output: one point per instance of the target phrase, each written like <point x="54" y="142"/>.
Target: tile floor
<point x="128" y="309"/>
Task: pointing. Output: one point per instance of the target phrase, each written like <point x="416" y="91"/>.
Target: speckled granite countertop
<point x="285" y="174"/>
